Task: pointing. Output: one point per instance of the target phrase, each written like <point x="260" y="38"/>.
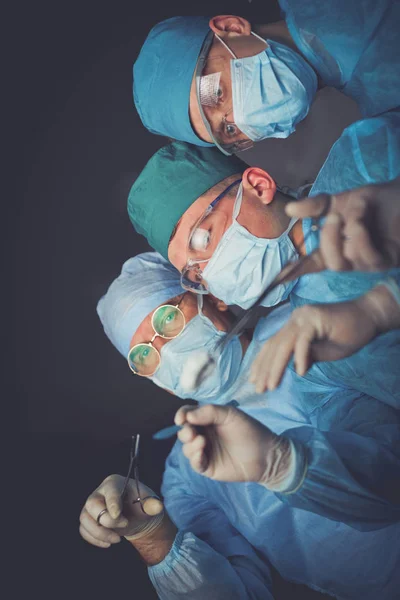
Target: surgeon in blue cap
<point x="217" y="81"/>
<point x="219" y="539"/>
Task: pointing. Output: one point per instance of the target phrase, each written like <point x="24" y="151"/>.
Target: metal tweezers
<point x="133" y="467"/>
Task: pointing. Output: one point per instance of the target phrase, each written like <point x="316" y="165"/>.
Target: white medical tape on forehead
<point x="209" y="88"/>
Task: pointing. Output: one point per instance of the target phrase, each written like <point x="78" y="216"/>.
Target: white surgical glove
<point x="121" y="519"/>
<point x="225" y="444"/>
<point x="362" y="229"/>
<point x="325" y="332"/>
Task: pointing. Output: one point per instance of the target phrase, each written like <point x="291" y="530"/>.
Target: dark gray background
<point x="79" y="143"/>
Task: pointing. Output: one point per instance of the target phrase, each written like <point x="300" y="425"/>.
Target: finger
<point x="360" y="249"/>
<point x="92" y="540"/>
<point x="302" y="355"/>
<point x="199" y="462"/>
<point x="112" y="497"/>
<point x="96" y="531"/>
<point x="152" y="506"/>
<point x="309" y="207"/>
<point x="260" y="369"/>
<point x="95" y="504"/>
<point x="209" y="414"/>
<point x="180" y="416"/>
<point x="332" y="243"/>
<point x="283" y="353"/>
<point x="192" y="448"/>
<point x="187" y="434"/>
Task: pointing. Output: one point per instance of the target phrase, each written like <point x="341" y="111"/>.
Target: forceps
<point x="134" y="468"/>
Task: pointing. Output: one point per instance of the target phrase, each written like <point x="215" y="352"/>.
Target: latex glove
<point x="362" y="229"/>
<point x="324" y="332"/>
<point x="231" y="446"/>
<point x="127" y="519"/>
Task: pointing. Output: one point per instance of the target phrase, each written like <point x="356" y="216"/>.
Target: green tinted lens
<point x="144" y="359"/>
<point x="168" y="321"/>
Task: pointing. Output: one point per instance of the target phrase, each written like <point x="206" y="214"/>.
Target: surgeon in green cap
<point x="221" y="223"/>
<point x="225" y="227"/>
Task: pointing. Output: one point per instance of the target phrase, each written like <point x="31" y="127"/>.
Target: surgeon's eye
<point x="230" y="129"/>
<point x="200" y="239"/>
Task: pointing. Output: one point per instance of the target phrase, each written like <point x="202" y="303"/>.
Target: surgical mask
<point x="243" y="265"/>
<point x="199" y="333"/>
<point x="271" y="91"/>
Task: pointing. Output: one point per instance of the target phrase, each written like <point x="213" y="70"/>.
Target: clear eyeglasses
<point x="168" y="321"/>
<point x="191" y="274"/>
<point x="209" y="95"/>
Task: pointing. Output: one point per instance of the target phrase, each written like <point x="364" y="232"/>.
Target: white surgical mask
<point x="199" y="334"/>
<point x="243" y="265"/>
<point x="271" y="91"/>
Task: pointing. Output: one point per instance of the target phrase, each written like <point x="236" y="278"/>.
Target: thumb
<point x="152" y="506"/>
<point x="309" y="207"/>
<point x="209" y="415"/>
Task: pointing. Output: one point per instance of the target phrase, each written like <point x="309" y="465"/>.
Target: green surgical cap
<point x="171" y="181"/>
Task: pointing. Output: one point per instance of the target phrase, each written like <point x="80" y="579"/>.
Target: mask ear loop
<point x="231" y="51"/>
<point x="238" y="202"/>
<point x="200" y="304"/>
<point x="260" y="38"/>
<point x="226" y="46"/>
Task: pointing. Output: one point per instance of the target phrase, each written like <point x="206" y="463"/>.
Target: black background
<point x="78" y="143"/>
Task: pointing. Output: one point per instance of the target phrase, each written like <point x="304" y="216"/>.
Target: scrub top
<point x="367" y="152"/>
<point x="352" y="45"/>
<point x="230" y="533"/>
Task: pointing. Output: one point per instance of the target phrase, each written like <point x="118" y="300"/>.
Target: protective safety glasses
<point x="209" y="94"/>
<point x="168" y="321"/>
<point x="199" y="241"/>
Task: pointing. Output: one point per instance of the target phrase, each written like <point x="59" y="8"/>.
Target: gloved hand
<point x="323" y="332"/>
<point x="231" y="446"/>
<point x="122" y="519"/>
<point x="362" y="229"/>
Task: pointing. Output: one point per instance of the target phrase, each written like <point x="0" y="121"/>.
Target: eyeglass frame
<point x="191" y="262"/>
<point x="227" y="149"/>
<point x="150" y="343"/>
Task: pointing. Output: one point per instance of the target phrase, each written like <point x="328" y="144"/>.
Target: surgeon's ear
<point x="259" y="182"/>
<point x="219" y="304"/>
<point x="224" y="25"/>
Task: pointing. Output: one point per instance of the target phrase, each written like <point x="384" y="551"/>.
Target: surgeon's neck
<point x="297" y="236"/>
<point x="278" y="32"/>
<point x="279" y="214"/>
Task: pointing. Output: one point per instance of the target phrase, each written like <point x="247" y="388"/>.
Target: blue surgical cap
<point x="145" y="282"/>
<point x="162" y="76"/>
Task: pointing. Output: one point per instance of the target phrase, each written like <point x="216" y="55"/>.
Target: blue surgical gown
<point x="229" y="533"/>
<point x="353" y="45"/>
<point x="367" y="152"/>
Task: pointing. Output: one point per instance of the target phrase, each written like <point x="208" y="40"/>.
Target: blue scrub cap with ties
<point x="146" y="281"/>
<point x="163" y="73"/>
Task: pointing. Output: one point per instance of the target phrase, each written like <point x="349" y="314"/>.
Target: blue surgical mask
<point x="199" y="333"/>
<point x="243" y="265"/>
<point x="271" y="91"/>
